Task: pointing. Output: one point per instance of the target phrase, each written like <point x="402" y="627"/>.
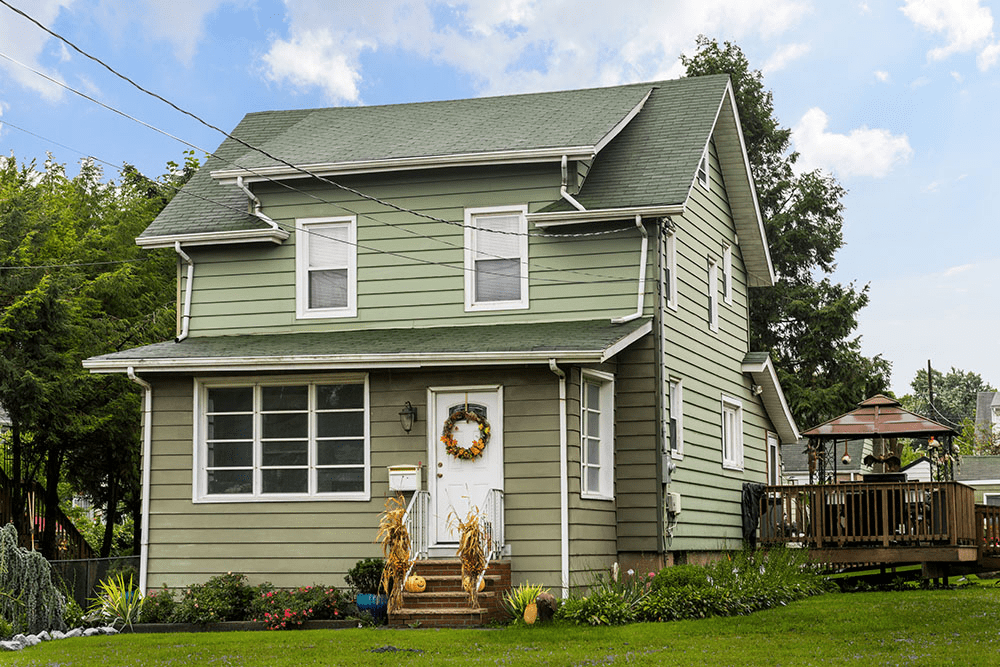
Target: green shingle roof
<point x="503" y="343"/>
<point x="651" y="162"/>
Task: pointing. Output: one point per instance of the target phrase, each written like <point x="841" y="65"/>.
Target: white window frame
<point x="987" y="496"/>
<point x="670" y="268"/>
<point x="606" y="464"/>
<point x="200" y="473"/>
<point x="773" y="458"/>
<point x="713" y="295"/>
<point x="305" y="229"/>
<point x="472" y="216"/>
<point x="732" y="433"/>
<point x="703" y="178"/>
<point x="676" y="397"/>
<point x="727" y="274"/>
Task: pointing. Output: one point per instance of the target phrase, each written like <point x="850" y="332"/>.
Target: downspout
<point x="147" y="441"/>
<point x="186" y="306"/>
<point x="256" y="204"/>
<point x="563" y="482"/>
<point x="642" y="275"/>
<point x="562" y="188"/>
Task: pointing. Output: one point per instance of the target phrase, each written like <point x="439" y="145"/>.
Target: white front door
<point x="456" y="485"/>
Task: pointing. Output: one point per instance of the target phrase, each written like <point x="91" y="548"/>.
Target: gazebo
<point x="884" y="421"/>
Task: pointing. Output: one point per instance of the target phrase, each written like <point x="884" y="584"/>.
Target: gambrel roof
<point x="643" y="143"/>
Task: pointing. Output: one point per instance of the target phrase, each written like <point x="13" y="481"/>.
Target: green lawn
<point x="907" y="628"/>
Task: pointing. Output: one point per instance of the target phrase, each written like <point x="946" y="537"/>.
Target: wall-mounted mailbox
<point x="404" y="478"/>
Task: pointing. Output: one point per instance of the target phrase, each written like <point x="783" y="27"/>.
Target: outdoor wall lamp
<point x="407" y="416"/>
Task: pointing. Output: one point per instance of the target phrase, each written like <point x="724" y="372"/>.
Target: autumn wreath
<point x="473" y="451"/>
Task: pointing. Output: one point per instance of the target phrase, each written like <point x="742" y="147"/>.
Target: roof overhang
<point x="761" y="370"/>
<point x="574" y="217"/>
<point x="255" y="353"/>
<point x="276" y="236"/>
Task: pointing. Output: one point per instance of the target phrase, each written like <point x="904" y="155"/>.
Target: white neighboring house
<point x="4" y="421"/>
<point x="988" y="410"/>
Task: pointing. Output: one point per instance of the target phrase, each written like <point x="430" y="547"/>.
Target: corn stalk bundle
<point x="395" y="541"/>
<point x="472" y="546"/>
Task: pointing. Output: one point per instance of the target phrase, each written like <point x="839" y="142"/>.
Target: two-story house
<point x="570" y="268"/>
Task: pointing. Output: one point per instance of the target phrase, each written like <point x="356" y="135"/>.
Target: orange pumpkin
<point x="416" y="584"/>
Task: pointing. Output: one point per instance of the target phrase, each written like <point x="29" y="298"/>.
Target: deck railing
<point x="70" y="544"/>
<point x="988" y="521"/>
<point x="859" y="514"/>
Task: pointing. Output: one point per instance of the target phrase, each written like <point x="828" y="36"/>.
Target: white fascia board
<point x="361" y="361"/>
<point x="564" y="218"/>
<point x="611" y="351"/>
<point x="773" y="399"/>
<point x="258" y="174"/>
<point x="276" y="236"/>
<point x="613" y="132"/>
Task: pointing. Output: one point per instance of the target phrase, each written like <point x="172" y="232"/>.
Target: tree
<point x="73" y="284"/>
<point x="954" y="405"/>
<point x="806" y="321"/>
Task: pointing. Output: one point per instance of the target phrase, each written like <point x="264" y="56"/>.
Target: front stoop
<point x="444" y="604"/>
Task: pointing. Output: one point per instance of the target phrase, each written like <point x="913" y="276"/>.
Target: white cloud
<point x="957" y="76"/>
<point x="882" y="76"/>
<point x="24" y="42"/>
<point x="965" y="24"/>
<point x="863" y="152"/>
<point x="783" y="56"/>
<point x="515" y="45"/>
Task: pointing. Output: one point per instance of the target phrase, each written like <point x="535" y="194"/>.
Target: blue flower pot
<point x="376" y="605"/>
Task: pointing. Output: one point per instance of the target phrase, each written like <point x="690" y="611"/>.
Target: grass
<point x="938" y="627"/>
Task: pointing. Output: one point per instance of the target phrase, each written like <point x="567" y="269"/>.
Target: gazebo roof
<point x="879" y="417"/>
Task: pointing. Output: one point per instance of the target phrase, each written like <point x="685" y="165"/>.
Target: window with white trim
<point x="670" y="269"/>
<point x="727" y="274"/>
<point x="713" y="294"/>
<point x="773" y="460"/>
<point x="326" y="263"/>
<point x="991" y="498"/>
<point x="283" y="439"/>
<point x="732" y="433"/>
<point x="676" y="417"/>
<point x="496" y="258"/>
<point x="597" y="459"/>
<point x="703" y="177"/>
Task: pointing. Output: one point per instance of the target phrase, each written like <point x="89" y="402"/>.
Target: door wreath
<point x="473" y="451"/>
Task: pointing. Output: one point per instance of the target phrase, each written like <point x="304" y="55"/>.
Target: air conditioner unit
<point x="673" y="503"/>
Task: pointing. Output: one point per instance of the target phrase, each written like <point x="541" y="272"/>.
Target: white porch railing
<point x="417" y="520"/>
<point x="491" y="524"/>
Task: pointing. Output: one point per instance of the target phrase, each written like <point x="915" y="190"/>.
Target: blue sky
<point x="897" y="99"/>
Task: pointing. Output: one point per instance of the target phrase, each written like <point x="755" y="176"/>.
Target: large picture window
<point x="326" y="267"/>
<point x="283" y="440"/>
<point x="496" y="258"/>
<point x="597" y="459"/>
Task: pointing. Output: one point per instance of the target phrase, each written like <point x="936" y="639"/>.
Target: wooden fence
<point x="859" y="514"/>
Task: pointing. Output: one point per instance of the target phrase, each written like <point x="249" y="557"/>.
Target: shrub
<point x="284" y="609"/>
<point x="679" y="576"/>
<point x="604" y="607"/>
<point x="517" y="599"/>
<point x="225" y="597"/>
<point x="29" y="600"/>
<point x="158" y="607"/>
<point x="365" y="576"/>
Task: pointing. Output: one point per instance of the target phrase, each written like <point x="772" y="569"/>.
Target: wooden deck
<point x="860" y="523"/>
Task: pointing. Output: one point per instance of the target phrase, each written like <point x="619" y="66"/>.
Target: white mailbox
<point x="404" y="478"/>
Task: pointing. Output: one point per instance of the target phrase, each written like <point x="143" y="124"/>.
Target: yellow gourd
<point x="416" y="584"/>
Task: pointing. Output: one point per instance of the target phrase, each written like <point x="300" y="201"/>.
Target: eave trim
<point x="773" y="398"/>
<point x="563" y="218"/>
<point x="276" y="236"/>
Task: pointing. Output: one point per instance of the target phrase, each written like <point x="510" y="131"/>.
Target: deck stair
<point x="444" y="604"/>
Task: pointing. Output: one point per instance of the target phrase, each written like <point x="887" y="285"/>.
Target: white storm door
<point x="456" y="485"/>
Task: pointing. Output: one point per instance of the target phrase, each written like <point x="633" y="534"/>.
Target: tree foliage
<point x="806" y="321"/>
<point x="954" y="405"/>
<point x="73" y="284"/>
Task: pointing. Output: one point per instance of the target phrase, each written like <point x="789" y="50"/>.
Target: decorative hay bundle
<point x="472" y="547"/>
<point x="395" y="548"/>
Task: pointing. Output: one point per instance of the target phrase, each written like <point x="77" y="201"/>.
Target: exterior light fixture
<point x="407" y="416"/>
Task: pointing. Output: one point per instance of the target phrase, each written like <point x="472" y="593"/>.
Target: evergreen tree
<point x="806" y="321"/>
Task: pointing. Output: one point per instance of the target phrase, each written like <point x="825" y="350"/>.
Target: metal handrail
<point x="492" y="529"/>
<point x="417" y="522"/>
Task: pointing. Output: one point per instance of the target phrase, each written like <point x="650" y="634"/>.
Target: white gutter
<point x="642" y="276"/>
<point x="186" y="307"/>
<point x="563" y="482"/>
<point x="256" y="204"/>
<point x="562" y="188"/>
<point x="147" y="441"/>
<point x="275" y="236"/>
<point x="560" y="218"/>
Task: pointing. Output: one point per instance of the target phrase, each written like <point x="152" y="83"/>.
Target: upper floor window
<point x="670" y="268"/>
<point x="676" y="417"/>
<point x="597" y="459"/>
<point x="703" y="176"/>
<point x="727" y="274"/>
<point x="281" y="440"/>
<point x="496" y="258"/>
<point x="732" y="433"/>
<point x="713" y="294"/>
<point x="326" y="257"/>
